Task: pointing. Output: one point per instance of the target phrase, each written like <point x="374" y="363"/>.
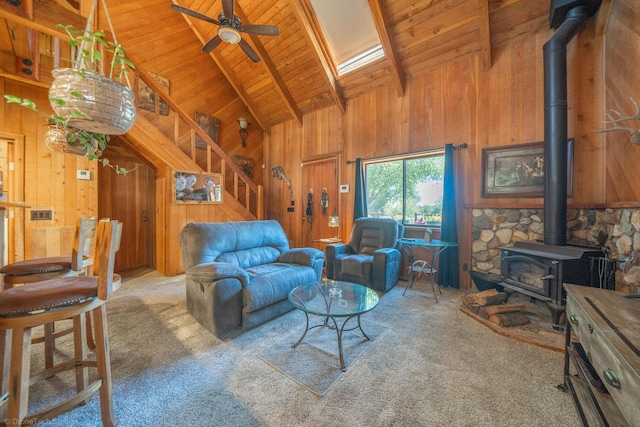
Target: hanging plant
<point x="87" y="93"/>
<point x="63" y="138"/>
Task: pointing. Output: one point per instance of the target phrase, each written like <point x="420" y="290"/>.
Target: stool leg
<point x="19" y="375"/>
<point x="49" y="345"/>
<point x="104" y="366"/>
<point x="80" y="354"/>
<point x="90" y="342"/>
<point x="5" y="353"/>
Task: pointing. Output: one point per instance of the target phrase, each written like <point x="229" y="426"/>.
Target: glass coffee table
<point x="334" y="300"/>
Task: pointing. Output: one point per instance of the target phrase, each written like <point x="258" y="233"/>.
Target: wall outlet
<point x="84" y="174"/>
<point x="289" y="209"/>
<point x="344" y="188"/>
<point x="465" y="267"/>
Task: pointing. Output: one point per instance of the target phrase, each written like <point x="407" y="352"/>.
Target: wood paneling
<point x="50" y="178"/>
<point x="621" y="59"/>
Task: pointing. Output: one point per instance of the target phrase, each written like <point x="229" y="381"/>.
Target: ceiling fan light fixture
<point x="229" y="35"/>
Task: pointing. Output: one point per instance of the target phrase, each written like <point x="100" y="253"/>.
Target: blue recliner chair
<point x="371" y="257"/>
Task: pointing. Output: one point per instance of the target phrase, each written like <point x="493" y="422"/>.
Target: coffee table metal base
<point x="339" y="332"/>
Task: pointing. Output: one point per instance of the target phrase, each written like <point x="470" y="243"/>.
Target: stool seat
<point x="49" y="295"/>
<point x="36" y="266"/>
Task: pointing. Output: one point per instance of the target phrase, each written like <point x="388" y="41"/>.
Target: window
<point x="350" y="32"/>
<point x="407" y="189"/>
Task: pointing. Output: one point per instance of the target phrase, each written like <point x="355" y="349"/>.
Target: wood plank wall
<point x="461" y="103"/>
<point x="50" y="180"/>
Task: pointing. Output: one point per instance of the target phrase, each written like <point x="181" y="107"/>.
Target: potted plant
<point x="63" y="138"/>
<point x="87" y="94"/>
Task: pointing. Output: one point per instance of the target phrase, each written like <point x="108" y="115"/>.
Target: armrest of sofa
<point x="386" y="268"/>
<point x="302" y="256"/>
<point x="214" y="271"/>
<point x="335" y="251"/>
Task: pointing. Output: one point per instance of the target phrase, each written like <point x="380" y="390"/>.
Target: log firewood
<point x="509" y="319"/>
<point x="488" y="297"/>
<point x="490" y="310"/>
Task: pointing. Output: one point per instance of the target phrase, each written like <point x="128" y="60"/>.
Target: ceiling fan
<point x="230" y="28"/>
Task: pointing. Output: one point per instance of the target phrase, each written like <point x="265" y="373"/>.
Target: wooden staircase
<point x="169" y="140"/>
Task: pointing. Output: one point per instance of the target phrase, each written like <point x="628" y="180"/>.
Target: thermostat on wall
<point x="344" y="188"/>
<point x="83" y="174"/>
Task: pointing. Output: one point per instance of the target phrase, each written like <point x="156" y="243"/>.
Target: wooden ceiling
<point x="295" y="74"/>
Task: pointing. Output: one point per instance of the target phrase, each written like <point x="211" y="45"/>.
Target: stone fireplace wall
<point x="617" y="230"/>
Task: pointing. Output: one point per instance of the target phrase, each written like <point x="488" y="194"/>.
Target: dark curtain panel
<point x="448" y="275"/>
<point x="360" y="205"/>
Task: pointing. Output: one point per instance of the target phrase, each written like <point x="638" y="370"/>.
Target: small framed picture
<point x="197" y="187"/>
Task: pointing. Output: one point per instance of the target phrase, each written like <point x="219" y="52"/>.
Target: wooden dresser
<point x="602" y="361"/>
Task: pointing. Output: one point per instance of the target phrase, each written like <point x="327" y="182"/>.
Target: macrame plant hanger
<point x="79" y="63"/>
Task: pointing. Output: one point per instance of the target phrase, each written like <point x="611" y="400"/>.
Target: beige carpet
<point x="315" y="362"/>
<point x="432" y="366"/>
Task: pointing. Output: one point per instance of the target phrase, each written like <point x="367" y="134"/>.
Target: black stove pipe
<point x="556" y="127"/>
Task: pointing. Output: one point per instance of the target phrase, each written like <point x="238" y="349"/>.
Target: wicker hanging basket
<point x="56" y="140"/>
<point x="107" y="106"/>
<point x="89" y="100"/>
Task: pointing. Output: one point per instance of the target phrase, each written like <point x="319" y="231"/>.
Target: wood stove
<point x="539" y="270"/>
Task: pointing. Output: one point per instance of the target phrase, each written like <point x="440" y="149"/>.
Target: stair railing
<point x="182" y="130"/>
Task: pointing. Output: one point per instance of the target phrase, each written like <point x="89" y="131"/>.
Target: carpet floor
<point x="431" y="365"/>
<point x="315" y="362"/>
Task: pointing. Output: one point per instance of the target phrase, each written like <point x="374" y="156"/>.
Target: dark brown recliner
<point x="371" y="257"/>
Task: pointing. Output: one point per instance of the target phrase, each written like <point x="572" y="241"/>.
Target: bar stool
<point x="421" y="267"/>
<point x="40" y="269"/>
<point x="24" y="307"/>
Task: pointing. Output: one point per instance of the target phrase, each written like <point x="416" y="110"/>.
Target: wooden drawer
<point x="607" y="326"/>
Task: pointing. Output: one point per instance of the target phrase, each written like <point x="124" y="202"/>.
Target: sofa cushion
<point x="203" y="243"/>
<point x="357" y="266"/>
<point x="251" y="257"/>
<point x="271" y="283"/>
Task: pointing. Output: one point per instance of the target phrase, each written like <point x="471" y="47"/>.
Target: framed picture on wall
<point x="518" y="170"/>
<point x="197" y="187"/>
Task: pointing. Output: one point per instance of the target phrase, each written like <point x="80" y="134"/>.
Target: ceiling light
<point x="229" y="35"/>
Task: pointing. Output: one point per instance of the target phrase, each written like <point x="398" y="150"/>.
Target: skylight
<point x="350" y="32"/>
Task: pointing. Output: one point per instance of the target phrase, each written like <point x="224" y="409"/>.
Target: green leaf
<point x="58" y="101"/>
<point x="76" y="94"/>
<point x="72" y="138"/>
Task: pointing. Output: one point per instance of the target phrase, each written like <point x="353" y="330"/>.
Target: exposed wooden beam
<point x="46" y="14"/>
<point x="485" y="34"/>
<point x="281" y="87"/>
<point x="387" y="45"/>
<point x="23" y="9"/>
<point x="309" y="35"/>
<point x="229" y="75"/>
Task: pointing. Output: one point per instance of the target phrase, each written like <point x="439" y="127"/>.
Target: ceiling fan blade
<point x="228" y="9"/>
<point x="212" y="43"/>
<point x="261" y="30"/>
<point x="249" y="51"/>
<point x="193" y="13"/>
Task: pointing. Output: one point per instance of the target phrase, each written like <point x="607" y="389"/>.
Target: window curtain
<point x="448" y="275"/>
<point x="360" y="205"/>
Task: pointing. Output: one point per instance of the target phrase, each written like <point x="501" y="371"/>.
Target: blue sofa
<point x="239" y="274"/>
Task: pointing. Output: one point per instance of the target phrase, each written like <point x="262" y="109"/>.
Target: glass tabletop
<point x="432" y="243"/>
<point x="334" y="298"/>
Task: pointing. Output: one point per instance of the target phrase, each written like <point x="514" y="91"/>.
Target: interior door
<point x="12" y="226"/>
<point x="319" y="176"/>
<point x="130" y="199"/>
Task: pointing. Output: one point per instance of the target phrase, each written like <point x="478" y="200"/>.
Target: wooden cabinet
<point x="602" y="360"/>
